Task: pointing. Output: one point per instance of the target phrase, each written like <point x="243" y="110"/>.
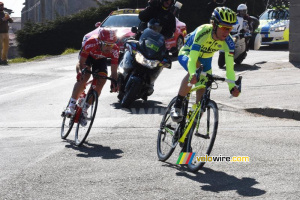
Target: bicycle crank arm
<point x="202" y="136"/>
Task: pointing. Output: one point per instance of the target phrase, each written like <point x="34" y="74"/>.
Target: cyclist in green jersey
<point x="198" y="50"/>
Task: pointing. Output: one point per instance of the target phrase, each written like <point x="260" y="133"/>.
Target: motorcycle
<point x="142" y="63"/>
<point x="244" y="40"/>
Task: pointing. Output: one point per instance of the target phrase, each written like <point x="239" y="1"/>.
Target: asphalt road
<point x="119" y="160"/>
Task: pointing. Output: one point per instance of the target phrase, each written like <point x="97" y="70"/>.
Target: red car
<point x="124" y="19"/>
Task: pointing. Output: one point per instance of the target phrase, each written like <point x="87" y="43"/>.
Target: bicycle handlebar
<point x="96" y="75"/>
<point x="212" y="77"/>
<point x="85" y="70"/>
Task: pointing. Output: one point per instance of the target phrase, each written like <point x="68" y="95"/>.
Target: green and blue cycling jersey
<point x="200" y="46"/>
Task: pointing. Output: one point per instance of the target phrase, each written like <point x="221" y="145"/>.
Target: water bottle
<point x="194" y="106"/>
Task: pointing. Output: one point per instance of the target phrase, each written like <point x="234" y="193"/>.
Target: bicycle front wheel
<point x="85" y="124"/>
<point x="201" y="140"/>
<point x="66" y="126"/>
<point x="166" y="141"/>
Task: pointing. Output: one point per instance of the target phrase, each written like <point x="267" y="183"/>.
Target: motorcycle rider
<point x="242" y="14"/>
<point x="161" y="10"/>
<point x="199" y="48"/>
<point x="150" y="33"/>
<point x="94" y="54"/>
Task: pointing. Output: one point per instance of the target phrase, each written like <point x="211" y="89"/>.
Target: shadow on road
<point x="216" y="181"/>
<point x="244" y="67"/>
<point x="296" y="64"/>
<point x="88" y="150"/>
<point x="143" y="107"/>
<point x="274" y="112"/>
<point x="277" y="47"/>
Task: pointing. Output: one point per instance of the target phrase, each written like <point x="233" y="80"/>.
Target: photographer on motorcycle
<point x="142" y="63"/>
<point x="248" y="27"/>
<point x="241" y="16"/>
<point x="161" y="10"/>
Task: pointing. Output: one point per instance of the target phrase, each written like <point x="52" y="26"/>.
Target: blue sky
<point x="15" y="5"/>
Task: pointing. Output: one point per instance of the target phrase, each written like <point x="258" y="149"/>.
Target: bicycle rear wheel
<point x="201" y="141"/>
<point x="166" y="140"/>
<point x="66" y="126"/>
<point x="82" y="131"/>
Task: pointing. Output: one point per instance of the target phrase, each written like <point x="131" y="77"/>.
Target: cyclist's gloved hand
<point x="193" y="79"/>
<point x="235" y="92"/>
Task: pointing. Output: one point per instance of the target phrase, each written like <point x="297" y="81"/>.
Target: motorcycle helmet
<point x="162" y="2"/>
<point x="155" y="25"/>
<point x="224" y="15"/>
<point x="242" y="10"/>
<point x="166" y="8"/>
<point x="108" y="36"/>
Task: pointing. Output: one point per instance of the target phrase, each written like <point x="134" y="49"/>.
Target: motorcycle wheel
<point x="240" y="59"/>
<point x="251" y="42"/>
<point x="131" y="94"/>
<point x="122" y="87"/>
<point x="221" y="60"/>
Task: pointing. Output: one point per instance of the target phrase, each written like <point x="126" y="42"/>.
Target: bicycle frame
<point x="203" y="102"/>
<point x="93" y="83"/>
<point x="192" y="118"/>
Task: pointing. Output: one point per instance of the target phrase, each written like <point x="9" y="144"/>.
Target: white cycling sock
<point x="86" y="106"/>
<point x="72" y="102"/>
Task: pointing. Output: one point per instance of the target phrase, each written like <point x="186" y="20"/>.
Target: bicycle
<point x="83" y="130"/>
<point x="197" y="131"/>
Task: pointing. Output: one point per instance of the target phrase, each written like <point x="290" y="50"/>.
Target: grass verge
<point x="42" y="57"/>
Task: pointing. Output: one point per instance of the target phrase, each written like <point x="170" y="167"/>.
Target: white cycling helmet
<point x="242" y="7"/>
<point x="242" y="10"/>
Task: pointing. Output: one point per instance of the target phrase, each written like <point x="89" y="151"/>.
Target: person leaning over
<point x="161" y="10"/>
<point x="4" y="38"/>
<point x="199" y="48"/>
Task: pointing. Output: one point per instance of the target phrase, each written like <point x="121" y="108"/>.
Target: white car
<point x="274" y="26"/>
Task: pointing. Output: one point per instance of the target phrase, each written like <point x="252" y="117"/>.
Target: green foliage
<point x="53" y="37"/>
<point x="69" y="50"/>
<point x="21" y="59"/>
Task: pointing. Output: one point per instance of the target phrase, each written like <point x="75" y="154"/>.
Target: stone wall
<point x="294" y="43"/>
<point x="41" y="10"/>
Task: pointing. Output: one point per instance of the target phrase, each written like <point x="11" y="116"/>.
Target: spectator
<point x="4" y="38"/>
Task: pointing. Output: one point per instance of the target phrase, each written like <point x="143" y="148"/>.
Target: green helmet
<point x="224" y="15"/>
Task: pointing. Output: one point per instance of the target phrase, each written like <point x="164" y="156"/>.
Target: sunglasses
<point x="225" y="28"/>
<point x="107" y="44"/>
